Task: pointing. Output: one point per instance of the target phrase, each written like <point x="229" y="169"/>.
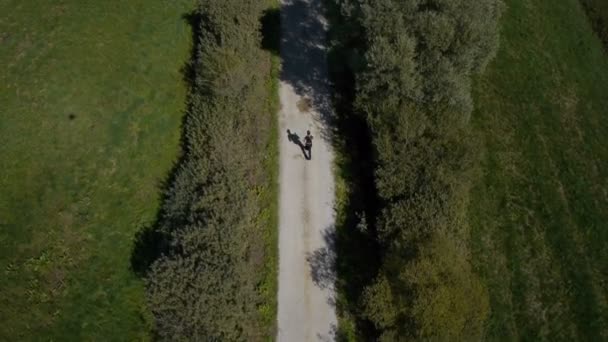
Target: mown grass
<point x="91" y="96"/>
<point x="540" y="206"/>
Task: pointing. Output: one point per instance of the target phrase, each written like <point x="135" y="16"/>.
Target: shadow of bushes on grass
<point x="271" y="30"/>
<point x="149" y="245"/>
<point x="597" y="12"/>
<point x="150" y="241"/>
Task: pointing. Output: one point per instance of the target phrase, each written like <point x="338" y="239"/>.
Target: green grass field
<point x="91" y="100"/>
<point x="540" y="208"/>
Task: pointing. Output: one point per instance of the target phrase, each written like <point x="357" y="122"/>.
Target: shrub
<point x="413" y="62"/>
<point x="444" y="299"/>
<point x="205" y="286"/>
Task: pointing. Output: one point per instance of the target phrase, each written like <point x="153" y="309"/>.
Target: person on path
<point x="308" y="144"/>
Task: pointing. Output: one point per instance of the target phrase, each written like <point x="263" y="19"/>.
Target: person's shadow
<point x="294" y="138"/>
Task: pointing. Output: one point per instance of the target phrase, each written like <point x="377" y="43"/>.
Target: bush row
<point x="205" y="286"/>
<point x="413" y="62"/>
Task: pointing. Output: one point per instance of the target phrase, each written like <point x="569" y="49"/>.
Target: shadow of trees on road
<point x="322" y="261"/>
<point x="304" y="49"/>
<point x="350" y="259"/>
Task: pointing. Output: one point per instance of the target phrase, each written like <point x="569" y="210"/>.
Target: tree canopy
<point x="413" y="62"/>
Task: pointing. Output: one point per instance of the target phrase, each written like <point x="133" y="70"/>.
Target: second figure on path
<point x="308" y="145"/>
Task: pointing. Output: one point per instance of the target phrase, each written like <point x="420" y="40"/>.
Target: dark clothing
<point x="308" y="146"/>
<point x="308" y="142"/>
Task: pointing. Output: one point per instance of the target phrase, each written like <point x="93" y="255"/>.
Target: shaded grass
<point x="357" y="250"/>
<point x="540" y="207"/>
<point x="269" y="285"/>
<point x="91" y="99"/>
<point x="357" y="202"/>
<point x="597" y="11"/>
<point x="270" y="195"/>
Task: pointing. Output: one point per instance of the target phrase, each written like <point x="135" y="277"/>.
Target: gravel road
<point x="306" y="211"/>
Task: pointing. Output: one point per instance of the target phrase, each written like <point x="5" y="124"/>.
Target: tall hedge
<point x="205" y="286"/>
<point x="413" y="61"/>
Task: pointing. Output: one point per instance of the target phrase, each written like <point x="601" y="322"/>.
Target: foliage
<point x="445" y="299"/>
<point x="423" y="53"/>
<point x="413" y="62"/>
<point x="207" y="283"/>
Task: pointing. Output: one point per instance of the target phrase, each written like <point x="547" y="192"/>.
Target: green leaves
<point x="424" y="52"/>
<point x="414" y="87"/>
<point x="451" y="303"/>
<point x="206" y="286"/>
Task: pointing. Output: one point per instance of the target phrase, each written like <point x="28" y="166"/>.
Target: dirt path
<point x="306" y="211"/>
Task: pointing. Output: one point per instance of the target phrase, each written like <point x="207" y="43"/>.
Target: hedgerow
<point x="205" y="286"/>
<point x="413" y="62"/>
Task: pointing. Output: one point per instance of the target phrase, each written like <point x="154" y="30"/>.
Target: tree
<point x="413" y="62"/>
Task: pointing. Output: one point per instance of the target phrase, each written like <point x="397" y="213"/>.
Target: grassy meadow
<point x="91" y="100"/>
<point x="539" y="210"/>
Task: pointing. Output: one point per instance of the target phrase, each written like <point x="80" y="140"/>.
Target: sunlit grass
<point x="540" y="209"/>
<point x="91" y="97"/>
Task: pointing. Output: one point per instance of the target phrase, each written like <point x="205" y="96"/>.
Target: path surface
<point x="306" y="218"/>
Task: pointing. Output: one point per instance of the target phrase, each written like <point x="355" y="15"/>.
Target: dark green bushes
<point x="206" y="285"/>
<point x="413" y="62"/>
<point x="597" y="11"/>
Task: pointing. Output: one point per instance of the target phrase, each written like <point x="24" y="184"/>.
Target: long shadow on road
<point x="351" y="256"/>
<point x="303" y="46"/>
